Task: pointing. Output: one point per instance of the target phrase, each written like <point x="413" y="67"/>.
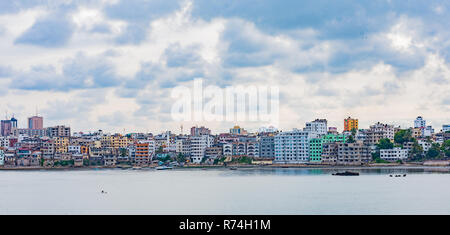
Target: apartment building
<point x="292" y="147"/>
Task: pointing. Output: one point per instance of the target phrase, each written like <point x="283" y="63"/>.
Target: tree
<point x="385" y="144"/>
<point x="181" y="158"/>
<point x="159" y="150"/>
<point x="416" y="151"/>
<point x="403" y="136"/>
<point x="446" y="148"/>
<point x="350" y="139"/>
<point x="434" y="151"/>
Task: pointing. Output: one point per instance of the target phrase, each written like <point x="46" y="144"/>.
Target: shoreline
<point x="201" y="167"/>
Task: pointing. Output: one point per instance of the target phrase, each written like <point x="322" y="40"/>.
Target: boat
<point x="137" y="168"/>
<point x="233" y="168"/>
<point x="346" y="173"/>
<point x="163" y="168"/>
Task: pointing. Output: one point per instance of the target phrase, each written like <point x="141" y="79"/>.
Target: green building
<point x="315" y="146"/>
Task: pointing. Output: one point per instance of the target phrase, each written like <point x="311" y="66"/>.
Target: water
<point x="222" y="191"/>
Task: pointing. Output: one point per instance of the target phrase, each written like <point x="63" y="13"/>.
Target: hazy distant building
<point x="35" y="122"/>
<point x="445" y="128"/>
<point x="58" y="131"/>
<point x="237" y="130"/>
<point x="196" y="131"/>
<point x="420" y="122"/>
<point x="7" y="126"/>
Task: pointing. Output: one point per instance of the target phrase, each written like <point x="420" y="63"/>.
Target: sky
<point x="111" y="64"/>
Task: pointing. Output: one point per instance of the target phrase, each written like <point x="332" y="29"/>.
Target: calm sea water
<point x="213" y="191"/>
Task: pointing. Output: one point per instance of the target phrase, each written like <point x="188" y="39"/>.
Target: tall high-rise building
<point x="7" y="126"/>
<point x="420" y="122"/>
<point x="350" y="124"/>
<point x="35" y="123"/>
<point x="196" y="131"/>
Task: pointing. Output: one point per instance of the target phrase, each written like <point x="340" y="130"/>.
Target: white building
<point x="183" y="146"/>
<point x="316" y="128"/>
<point x="428" y="131"/>
<point x="252" y="149"/>
<point x="198" y="147"/>
<point x="74" y="149"/>
<point x="292" y="146"/>
<point x="420" y="122"/>
<point x="387" y="131"/>
<point x="228" y="149"/>
<point x="394" y="154"/>
<point x="445" y="128"/>
<point x="2" y="158"/>
<point x="425" y="145"/>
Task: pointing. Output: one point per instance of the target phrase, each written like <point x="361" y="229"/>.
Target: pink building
<point x="35" y="122"/>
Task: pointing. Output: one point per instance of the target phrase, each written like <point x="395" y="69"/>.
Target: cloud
<point x="79" y="72"/>
<point x="138" y="14"/>
<point x="51" y="32"/>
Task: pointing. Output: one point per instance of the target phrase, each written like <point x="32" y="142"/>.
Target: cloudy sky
<point x="111" y="64"/>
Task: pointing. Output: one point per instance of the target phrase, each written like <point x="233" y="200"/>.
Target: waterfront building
<point x="239" y="148"/>
<point x="2" y="157"/>
<point x="183" y="146"/>
<point x="353" y="154"/>
<point x="267" y="147"/>
<point x="195" y="131"/>
<point x="35" y="123"/>
<point x="329" y="153"/>
<point x="292" y="147"/>
<point x="394" y="154"/>
<point x="420" y="122"/>
<point x="252" y="148"/>
<point x="350" y="124"/>
<point x="48" y="149"/>
<point x="214" y="152"/>
<point x="316" y="146"/>
<point x="143" y="153"/>
<point x="227" y="149"/>
<point x="198" y="147"/>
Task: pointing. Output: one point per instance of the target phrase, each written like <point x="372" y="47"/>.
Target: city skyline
<point x="113" y="64"/>
<point x="419" y="121"/>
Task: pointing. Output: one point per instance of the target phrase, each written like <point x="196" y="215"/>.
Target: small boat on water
<point x="397" y="175"/>
<point x="163" y="168"/>
<point x="137" y="168"/>
<point x="233" y="168"/>
<point x="346" y="173"/>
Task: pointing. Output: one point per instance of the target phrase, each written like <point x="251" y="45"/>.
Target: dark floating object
<point x="233" y="168"/>
<point x="398" y="175"/>
<point x="346" y="173"/>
